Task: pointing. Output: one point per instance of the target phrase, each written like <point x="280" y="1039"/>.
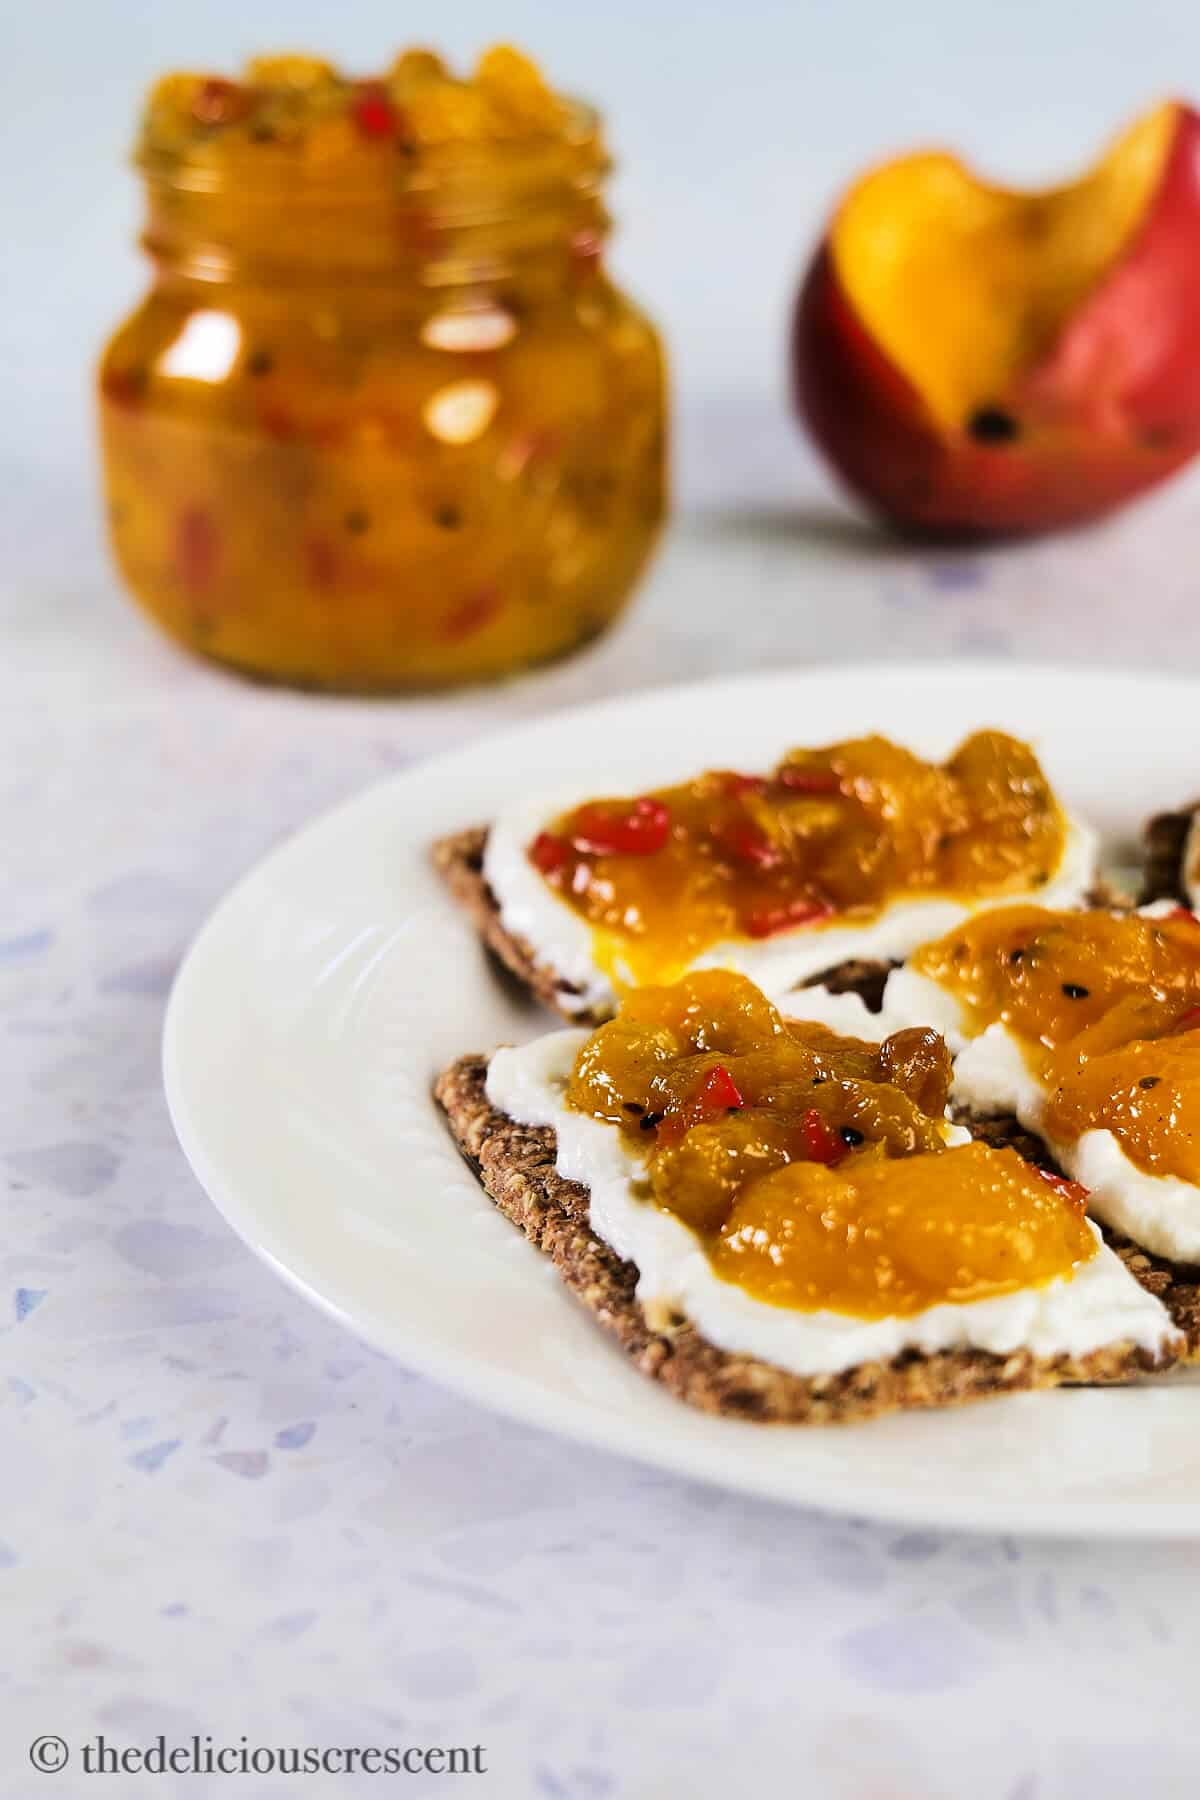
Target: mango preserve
<point x="382" y="420"/>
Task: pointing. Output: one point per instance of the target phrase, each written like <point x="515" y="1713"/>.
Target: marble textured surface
<point x="220" y="1514"/>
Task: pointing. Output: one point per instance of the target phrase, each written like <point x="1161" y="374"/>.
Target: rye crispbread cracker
<point x="516" y="1166"/>
<point x="1165" y="843"/>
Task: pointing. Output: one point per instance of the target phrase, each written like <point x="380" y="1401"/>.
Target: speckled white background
<point x="218" y="1513"/>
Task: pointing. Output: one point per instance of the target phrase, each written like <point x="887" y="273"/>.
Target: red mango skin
<point x="1111" y="411"/>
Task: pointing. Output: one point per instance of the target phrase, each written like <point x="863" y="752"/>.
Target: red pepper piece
<point x="373" y="112"/>
<point x="805" y="909"/>
<point x="219" y="102"/>
<point x="549" y="853"/>
<point x="639" y="831"/>
<point x="1189" y="1021"/>
<point x="821" y="1144"/>
<point x="1183" y="914"/>
<point x="472" y="614"/>
<point x="745" y="842"/>
<point x="719" y="1091"/>
<point x="124" y="387"/>
<point x="277" y="422"/>
<point x="196" y="549"/>
<point x="799" y="780"/>
<point x="321" y="565"/>
<point x="1074" y="1191"/>
<point x="416" y="229"/>
<point x="733" y="783"/>
<point x="586" y="247"/>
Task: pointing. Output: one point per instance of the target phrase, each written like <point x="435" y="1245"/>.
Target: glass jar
<point x="382" y="420"/>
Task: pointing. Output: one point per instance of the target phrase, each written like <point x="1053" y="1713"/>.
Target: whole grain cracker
<point x="516" y="1164"/>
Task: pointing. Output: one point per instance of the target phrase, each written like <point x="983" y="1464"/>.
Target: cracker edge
<point x="1164" y="843"/>
<point x="1177" y="1285"/>
<point x="515" y="1164"/>
<point x="459" y="860"/>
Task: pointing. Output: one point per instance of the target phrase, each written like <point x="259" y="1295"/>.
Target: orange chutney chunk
<point x="830" y="835"/>
<point x="814" y="1168"/>
<point x="1106" y="1007"/>
<point x="887" y="1238"/>
<point x="303" y="102"/>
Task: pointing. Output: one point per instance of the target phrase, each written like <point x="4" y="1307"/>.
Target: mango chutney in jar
<point x="382" y="421"/>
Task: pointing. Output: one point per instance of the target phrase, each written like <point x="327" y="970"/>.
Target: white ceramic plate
<point x="320" y="1000"/>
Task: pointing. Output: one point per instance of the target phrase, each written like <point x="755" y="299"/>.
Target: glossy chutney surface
<point x="1106" y="1007"/>
<point x="814" y="1168"/>
<point x="831" y="836"/>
